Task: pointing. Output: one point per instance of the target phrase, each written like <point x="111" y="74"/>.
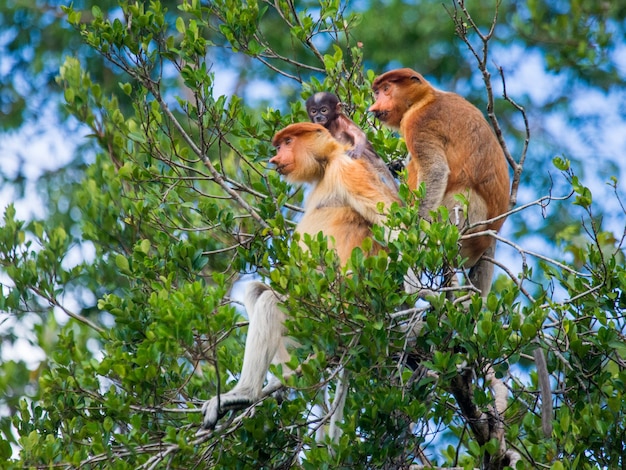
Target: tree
<point x="178" y="207"/>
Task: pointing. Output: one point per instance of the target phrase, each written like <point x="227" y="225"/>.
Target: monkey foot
<point x="218" y="406"/>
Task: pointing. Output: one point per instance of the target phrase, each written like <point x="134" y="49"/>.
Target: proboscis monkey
<point x="342" y="204"/>
<point x="324" y="108"/>
<point x="453" y="150"/>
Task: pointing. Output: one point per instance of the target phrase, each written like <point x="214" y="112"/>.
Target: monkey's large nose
<point x="276" y="161"/>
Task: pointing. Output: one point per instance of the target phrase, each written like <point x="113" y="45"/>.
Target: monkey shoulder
<point x="330" y="186"/>
<point x="445" y="105"/>
<point x="346" y="138"/>
<point x="345" y="131"/>
<point x="358" y="169"/>
<point x="347" y="178"/>
<point x="340" y="170"/>
<point x="463" y="114"/>
<point x="342" y="163"/>
<point x="423" y="116"/>
<point x="445" y="122"/>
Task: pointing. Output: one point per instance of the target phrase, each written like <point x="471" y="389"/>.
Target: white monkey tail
<point x="265" y="337"/>
<point x="254" y="290"/>
<point x="264" y="344"/>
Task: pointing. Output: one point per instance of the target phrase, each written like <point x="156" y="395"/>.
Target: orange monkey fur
<point x="345" y="194"/>
<point x="453" y="151"/>
<point x="343" y="205"/>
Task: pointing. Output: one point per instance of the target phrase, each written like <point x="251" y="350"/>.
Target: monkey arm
<point x="433" y="171"/>
<point x="353" y="134"/>
<point x="360" y="144"/>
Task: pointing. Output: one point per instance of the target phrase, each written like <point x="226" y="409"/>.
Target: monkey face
<point x="320" y="115"/>
<point x="322" y="108"/>
<point x="302" y="151"/>
<point x="386" y="105"/>
<point x="395" y="92"/>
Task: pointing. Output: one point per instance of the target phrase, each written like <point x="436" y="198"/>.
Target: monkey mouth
<point x="381" y="115"/>
<point x="281" y="169"/>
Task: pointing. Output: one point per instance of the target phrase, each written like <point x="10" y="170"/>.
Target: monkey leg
<point x="481" y="274"/>
<point x="264" y="344"/>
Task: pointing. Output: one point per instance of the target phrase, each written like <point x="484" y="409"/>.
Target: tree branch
<point x="219" y="179"/>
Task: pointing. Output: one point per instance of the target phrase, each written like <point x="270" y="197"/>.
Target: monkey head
<point x="395" y="92"/>
<point x="302" y="151"/>
<point x="322" y="108"/>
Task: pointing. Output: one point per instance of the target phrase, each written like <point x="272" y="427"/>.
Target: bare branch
<point x="219" y="179"/>
<point x="527" y="252"/>
<point x="512" y="276"/>
<point x="54" y="302"/>
<point x="542" y="201"/>
<point x="518" y="167"/>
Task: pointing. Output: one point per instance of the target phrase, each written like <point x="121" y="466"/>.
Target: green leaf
<point x="528" y="331"/>
<point x="144" y="246"/>
<point x="560" y="163"/>
<point x="122" y="263"/>
<point x="180" y="25"/>
<point x="5" y="449"/>
<point x="126" y="88"/>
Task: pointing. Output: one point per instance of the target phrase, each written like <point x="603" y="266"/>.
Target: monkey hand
<point x="353" y="153"/>
<point x="395" y="167"/>
<point x="219" y="405"/>
<point x="412" y="283"/>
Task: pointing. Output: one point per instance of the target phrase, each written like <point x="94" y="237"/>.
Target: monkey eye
<point x="324" y="110"/>
<point x="287" y="140"/>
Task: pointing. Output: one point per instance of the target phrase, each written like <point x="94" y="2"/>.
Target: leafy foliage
<point x="177" y="207"/>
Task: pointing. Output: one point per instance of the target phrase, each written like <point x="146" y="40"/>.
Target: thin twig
<point x="219" y="179"/>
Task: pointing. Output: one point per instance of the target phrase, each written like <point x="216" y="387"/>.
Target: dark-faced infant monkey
<point x="324" y="108"/>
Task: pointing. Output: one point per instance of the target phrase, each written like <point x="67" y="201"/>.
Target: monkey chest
<point x="344" y="228"/>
